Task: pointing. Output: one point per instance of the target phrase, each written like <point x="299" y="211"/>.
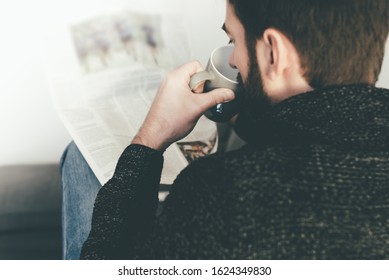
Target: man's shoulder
<point x="258" y="165"/>
<point x="229" y="162"/>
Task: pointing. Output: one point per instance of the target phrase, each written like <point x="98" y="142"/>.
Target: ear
<point x="275" y="53"/>
<point x="280" y="66"/>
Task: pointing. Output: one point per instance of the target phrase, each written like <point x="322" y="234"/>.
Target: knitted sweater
<point x="312" y="184"/>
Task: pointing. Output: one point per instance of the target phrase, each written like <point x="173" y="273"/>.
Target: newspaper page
<point x="119" y="61"/>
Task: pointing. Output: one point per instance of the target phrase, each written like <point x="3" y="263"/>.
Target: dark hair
<point x="339" y="41"/>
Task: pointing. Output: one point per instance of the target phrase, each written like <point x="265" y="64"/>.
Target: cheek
<point x="243" y="67"/>
<point x="241" y="62"/>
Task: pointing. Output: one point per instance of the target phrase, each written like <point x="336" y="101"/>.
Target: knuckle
<point x="169" y="76"/>
<point x="196" y="62"/>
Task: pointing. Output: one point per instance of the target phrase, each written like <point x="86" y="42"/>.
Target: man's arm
<point x="125" y="207"/>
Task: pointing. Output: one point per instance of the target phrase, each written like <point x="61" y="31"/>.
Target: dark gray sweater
<point x="313" y="183"/>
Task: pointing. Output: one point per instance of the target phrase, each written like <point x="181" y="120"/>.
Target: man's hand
<point x="176" y="109"/>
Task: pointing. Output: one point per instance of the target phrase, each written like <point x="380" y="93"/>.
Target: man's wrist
<point x="145" y="140"/>
<point x="139" y="140"/>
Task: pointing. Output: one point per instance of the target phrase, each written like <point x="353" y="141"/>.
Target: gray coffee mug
<point x="219" y="74"/>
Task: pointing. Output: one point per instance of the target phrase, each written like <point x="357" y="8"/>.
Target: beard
<point x="255" y="98"/>
<point x="254" y="103"/>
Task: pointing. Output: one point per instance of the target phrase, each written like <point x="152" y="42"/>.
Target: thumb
<point x="214" y="97"/>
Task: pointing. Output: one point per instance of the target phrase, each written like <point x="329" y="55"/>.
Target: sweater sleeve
<point x="125" y="206"/>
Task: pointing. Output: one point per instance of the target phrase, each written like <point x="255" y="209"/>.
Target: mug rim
<point x="213" y="65"/>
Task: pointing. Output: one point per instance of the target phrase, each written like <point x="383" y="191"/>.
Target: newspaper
<point x="119" y="61"/>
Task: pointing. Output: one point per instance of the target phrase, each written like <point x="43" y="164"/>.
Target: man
<point x="313" y="181"/>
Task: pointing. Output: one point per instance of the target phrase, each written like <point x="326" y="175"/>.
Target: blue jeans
<point x="79" y="191"/>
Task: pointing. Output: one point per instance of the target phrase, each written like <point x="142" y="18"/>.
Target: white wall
<point x="30" y="129"/>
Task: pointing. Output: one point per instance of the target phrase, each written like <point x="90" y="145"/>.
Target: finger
<point x="199" y="88"/>
<point x="214" y="97"/>
<point x="189" y="69"/>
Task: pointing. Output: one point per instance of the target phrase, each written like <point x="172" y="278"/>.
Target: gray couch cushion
<point x="30" y="212"/>
<point x="30" y="196"/>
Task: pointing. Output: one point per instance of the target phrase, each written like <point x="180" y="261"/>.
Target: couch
<point x="30" y="212"/>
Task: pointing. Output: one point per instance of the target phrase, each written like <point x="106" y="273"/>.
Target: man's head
<point x="297" y="45"/>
